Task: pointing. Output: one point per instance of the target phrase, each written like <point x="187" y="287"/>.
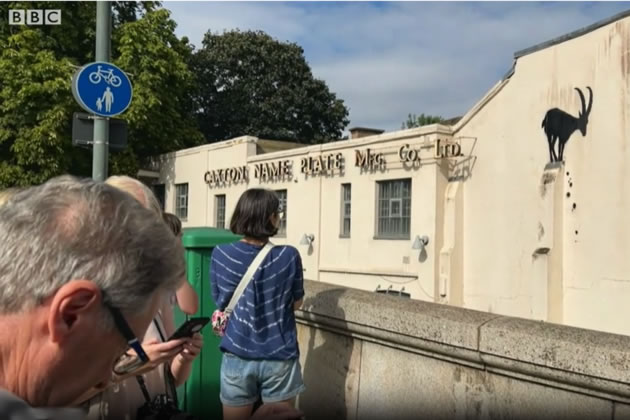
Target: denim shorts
<point x="243" y="380"/>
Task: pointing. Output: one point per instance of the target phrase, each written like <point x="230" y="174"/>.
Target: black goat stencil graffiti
<point x="559" y="125"/>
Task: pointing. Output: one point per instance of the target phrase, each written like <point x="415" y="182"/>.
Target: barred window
<point x="346" y="210"/>
<point x="393" y="209"/>
<point x="181" y="201"/>
<point x="282" y="195"/>
<point x="219" y="211"/>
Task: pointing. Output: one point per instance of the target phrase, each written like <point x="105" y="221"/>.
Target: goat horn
<point x="581" y="100"/>
<point x="590" y="100"/>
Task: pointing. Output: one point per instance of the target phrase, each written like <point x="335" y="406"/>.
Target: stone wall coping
<point x="574" y="358"/>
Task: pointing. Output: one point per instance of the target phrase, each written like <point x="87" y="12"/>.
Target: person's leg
<point x="258" y="403"/>
<point x="237" y="413"/>
<point x="275" y="408"/>
<point x="286" y="403"/>
<point x="281" y="382"/>
<point x="239" y="389"/>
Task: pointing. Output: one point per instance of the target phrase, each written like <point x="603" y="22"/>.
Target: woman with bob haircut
<point x="260" y="348"/>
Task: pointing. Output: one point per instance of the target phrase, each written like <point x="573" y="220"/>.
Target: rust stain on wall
<point x="622" y="30"/>
<point x="547" y="178"/>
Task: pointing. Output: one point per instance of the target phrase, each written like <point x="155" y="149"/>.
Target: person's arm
<point x="158" y="353"/>
<point x="297" y="305"/>
<point x="298" y="283"/>
<point x="181" y="366"/>
<point x="187" y="298"/>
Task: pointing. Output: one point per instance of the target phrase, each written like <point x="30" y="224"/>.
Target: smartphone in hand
<point x="190" y="327"/>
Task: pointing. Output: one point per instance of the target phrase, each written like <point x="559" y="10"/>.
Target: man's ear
<point x="74" y="304"/>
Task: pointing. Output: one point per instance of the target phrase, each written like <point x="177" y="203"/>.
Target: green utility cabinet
<point x="200" y="394"/>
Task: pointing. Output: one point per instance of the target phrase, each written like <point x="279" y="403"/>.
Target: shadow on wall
<point x="166" y="167"/>
<point x="327" y="364"/>
<point x="462" y="169"/>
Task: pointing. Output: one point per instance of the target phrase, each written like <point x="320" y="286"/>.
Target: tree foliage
<point x="414" y="120"/>
<point x="161" y="115"/>
<point x="250" y="83"/>
<point x="36" y="103"/>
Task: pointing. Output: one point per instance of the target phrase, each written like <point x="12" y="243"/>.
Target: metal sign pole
<point x="101" y="125"/>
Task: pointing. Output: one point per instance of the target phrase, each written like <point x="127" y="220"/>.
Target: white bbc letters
<point x="35" y="17"/>
<point x="17" y="17"/>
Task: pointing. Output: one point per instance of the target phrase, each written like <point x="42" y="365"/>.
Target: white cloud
<point x="390" y="59"/>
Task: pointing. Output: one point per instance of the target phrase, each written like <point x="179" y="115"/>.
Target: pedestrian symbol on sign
<point x="102" y="89"/>
<point x="108" y="97"/>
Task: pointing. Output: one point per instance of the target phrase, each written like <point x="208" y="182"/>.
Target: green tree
<point x="250" y="83"/>
<point x="36" y="103"/>
<point x="161" y="116"/>
<point x="414" y="120"/>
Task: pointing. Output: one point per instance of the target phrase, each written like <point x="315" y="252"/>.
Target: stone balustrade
<point x="371" y="356"/>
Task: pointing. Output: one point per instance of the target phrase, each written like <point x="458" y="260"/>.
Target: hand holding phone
<point x="192" y="349"/>
<point x="190" y="327"/>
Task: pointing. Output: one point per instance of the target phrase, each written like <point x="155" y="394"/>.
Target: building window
<point x="393" y="209"/>
<point x="181" y="201"/>
<point x="346" y="207"/>
<point x="160" y="193"/>
<point x="282" y="196"/>
<point x="219" y="211"/>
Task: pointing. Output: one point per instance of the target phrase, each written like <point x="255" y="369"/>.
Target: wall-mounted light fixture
<point x="307" y="239"/>
<point x="420" y="242"/>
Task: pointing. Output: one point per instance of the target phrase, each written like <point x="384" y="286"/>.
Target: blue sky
<point x="389" y="59"/>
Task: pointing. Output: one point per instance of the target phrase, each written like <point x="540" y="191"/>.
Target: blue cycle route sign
<point x="102" y="89"/>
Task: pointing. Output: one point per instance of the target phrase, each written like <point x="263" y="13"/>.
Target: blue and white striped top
<point x="262" y="325"/>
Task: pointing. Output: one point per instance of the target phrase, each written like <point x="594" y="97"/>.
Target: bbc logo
<point x="35" y="17"/>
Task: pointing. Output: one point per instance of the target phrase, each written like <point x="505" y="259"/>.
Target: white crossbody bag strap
<point x="249" y="275"/>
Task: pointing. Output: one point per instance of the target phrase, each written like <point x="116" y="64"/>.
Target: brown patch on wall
<point x="546" y="179"/>
<point x="552" y="91"/>
<point x="621" y="29"/>
<point x="611" y="35"/>
<point x="624" y="32"/>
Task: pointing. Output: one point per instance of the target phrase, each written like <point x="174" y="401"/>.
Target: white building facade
<point x="474" y="214"/>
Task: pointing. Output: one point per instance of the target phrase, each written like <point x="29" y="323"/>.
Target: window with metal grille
<point x="393" y="209"/>
<point x="181" y="201"/>
<point x="282" y="196"/>
<point x="346" y="210"/>
<point x="219" y="211"/>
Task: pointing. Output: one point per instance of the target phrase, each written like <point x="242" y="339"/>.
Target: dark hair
<point x="173" y="223"/>
<point x="252" y="215"/>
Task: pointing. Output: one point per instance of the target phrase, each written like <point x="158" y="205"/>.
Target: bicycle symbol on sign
<point x="107" y="75"/>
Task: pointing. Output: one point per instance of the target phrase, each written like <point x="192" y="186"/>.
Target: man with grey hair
<point x="83" y="268"/>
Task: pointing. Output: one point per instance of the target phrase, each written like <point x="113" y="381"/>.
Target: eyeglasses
<point x="127" y="362"/>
